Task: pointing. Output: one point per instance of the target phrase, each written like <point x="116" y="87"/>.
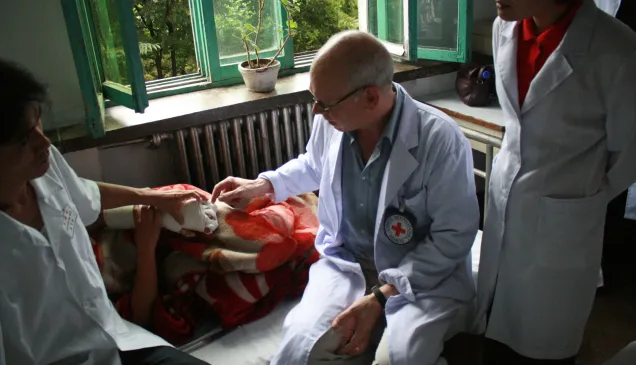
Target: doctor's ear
<point x="371" y="96"/>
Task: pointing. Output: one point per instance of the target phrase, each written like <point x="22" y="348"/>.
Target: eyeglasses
<point x="326" y="108"/>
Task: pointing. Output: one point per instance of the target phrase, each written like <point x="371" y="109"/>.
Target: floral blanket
<point x="257" y="257"/>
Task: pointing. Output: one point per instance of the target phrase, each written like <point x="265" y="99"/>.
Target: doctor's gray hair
<point x="367" y="61"/>
<point x="18" y="89"/>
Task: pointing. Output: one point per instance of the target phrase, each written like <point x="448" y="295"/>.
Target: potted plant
<point x="260" y="74"/>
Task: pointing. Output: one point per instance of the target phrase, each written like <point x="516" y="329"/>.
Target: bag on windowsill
<point x="475" y="84"/>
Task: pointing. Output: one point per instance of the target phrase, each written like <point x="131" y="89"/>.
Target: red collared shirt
<point x="533" y="50"/>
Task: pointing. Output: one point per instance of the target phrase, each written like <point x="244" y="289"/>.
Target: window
<point x="129" y="51"/>
<point x="420" y="29"/>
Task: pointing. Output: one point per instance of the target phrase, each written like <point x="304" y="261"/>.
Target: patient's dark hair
<point x="18" y="88"/>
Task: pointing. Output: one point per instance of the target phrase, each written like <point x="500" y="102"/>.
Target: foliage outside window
<point x="127" y="51"/>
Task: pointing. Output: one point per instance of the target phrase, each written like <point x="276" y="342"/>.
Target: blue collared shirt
<point x="361" y="184"/>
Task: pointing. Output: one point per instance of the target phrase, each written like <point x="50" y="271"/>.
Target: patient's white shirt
<point x="53" y="304"/>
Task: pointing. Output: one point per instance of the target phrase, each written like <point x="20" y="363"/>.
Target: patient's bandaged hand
<point x="198" y="216"/>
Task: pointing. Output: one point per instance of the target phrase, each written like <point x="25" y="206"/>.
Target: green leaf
<point x="292" y="24"/>
<point x="250" y="27"/>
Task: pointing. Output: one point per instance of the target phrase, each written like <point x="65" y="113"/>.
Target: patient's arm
<point x="144" y="294"/>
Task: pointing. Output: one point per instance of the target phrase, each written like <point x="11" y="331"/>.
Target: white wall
<point x="133" y="165"/>
<point x="33" y="33"/>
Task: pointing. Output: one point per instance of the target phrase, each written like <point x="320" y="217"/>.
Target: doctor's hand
<point x="356" y="325"/>
<point x="234" y="190"/>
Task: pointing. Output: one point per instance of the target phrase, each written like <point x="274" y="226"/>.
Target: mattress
<point x="256" y="343"/>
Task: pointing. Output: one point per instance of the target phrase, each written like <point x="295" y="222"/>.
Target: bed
<point x="257" y="342"/>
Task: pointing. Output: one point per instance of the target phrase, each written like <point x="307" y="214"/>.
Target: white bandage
<point x="197" y="217"/>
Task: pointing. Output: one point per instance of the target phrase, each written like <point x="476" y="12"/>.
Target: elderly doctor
<point x="53" y="304"/>
<point x="398" y="215"/>
<point x="565" y="81"/>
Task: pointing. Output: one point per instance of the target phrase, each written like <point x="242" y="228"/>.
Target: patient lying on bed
<point x="235" y="264"/>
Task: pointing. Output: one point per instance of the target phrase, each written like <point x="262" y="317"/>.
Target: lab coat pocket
<point x="416" y="205"/>
<point x="570" y="232"/>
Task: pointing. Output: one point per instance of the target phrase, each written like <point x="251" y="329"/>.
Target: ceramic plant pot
<point x="260" y="80"/>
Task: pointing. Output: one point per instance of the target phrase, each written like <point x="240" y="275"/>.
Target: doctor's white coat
<point x="566" y="153"/>
<point x="431" y="169"/>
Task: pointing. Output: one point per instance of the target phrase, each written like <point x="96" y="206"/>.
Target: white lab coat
<point x="568" y="151"/>
<point x="53" y="304"/>
<point x="430" y="168"/>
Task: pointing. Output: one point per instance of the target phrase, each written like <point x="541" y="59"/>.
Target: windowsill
<point x="205" y="106"/>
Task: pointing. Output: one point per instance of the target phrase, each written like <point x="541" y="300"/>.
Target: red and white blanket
<point x="258" y="256"/>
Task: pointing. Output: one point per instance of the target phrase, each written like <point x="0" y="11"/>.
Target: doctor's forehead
<point x="326" y="85"/>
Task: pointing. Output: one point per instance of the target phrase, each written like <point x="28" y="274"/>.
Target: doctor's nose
<point x="317" y="109"/>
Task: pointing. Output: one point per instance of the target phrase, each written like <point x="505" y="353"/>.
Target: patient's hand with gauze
<point x="198" y="216"/>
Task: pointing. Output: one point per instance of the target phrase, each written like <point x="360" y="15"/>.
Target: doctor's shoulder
<point x="437" y="129"/>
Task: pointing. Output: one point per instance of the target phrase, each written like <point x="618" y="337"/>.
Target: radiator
<point x="242" y="146"/>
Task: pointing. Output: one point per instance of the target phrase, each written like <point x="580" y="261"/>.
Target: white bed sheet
<point x="257" y="342"/>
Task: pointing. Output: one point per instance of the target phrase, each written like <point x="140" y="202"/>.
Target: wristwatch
<point x="379" y="295"/>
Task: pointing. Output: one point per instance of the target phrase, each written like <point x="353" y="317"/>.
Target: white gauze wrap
<point x="197" y="217"/>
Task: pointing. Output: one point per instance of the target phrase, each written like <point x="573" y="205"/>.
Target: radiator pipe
<point x="266" y="143"/>
<point x="278" y="150"/>
<point x="198" y="158"/>
<point x="287" y="128"/>
<point x="210" y="152"/>
<point x="183" y="156"/>
<point x="251" y="146"/>
<point x="225" y="147"/>
<point x="238" y="147"/>
<point x="300" y="128"/>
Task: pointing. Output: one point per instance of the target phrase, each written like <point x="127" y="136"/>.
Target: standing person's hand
<point x="234" y="190"/>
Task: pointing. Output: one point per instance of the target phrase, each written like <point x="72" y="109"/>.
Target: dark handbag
<point x="475" y="84"/>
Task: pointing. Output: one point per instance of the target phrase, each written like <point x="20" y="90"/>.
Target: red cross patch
<point x="398" y="229"/>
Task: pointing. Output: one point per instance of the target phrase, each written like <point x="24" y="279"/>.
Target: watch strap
<point x="379" y="295"/>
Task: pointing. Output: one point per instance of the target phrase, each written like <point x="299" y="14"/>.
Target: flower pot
<point x="260" y="80"/>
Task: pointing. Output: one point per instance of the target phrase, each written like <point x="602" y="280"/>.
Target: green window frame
<point x="97" y="79"/>
<point x="87" y="23"/>
<point x="376" y="16"/>
<point x="104" y="81"/>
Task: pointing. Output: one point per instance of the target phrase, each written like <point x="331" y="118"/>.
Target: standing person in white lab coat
<point x="565" y="81"/>
<point x="398" y="215"/>
<point x="53" y="304"/>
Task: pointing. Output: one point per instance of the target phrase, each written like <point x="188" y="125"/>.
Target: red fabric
<point x="256" y="258"/>
<point x="533" y="50"/>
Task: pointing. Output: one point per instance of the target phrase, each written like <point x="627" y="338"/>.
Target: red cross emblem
<point x="397" y="228"/>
